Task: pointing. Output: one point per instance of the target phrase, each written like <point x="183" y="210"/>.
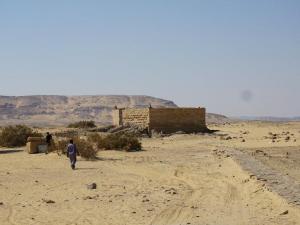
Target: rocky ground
<point x="237" y="175"/>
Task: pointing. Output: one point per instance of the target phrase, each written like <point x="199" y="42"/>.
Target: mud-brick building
<point x="165" y="120"/>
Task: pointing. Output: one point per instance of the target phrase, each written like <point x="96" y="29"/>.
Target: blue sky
<point x="234" y="57"/>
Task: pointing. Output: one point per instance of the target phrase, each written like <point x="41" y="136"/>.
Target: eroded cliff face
<point x="60" y="110"/>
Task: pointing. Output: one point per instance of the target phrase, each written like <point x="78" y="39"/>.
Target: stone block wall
<point x="170" y="120"/>
<point x="136" y="117"/>
<point x="166" y="120"/>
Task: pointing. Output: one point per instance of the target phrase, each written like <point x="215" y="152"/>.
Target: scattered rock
<point x="252" y="176"/>
<point x="287" y="138"/>
<point x="48" y="201"/>
<point x="91" y="186"/>
<point x="285" y="212"/>
<point x="171" y="191"/>
<point x="261" y="179"/>
<point x="1" y="203"/>
<point x="243" y="140"/>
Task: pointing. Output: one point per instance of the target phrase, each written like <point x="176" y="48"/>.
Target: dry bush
<point x="84" y="148"/>
<point x="16" y="136"/>
<point x="60" y="146"/>
<point x="82" y="124"/>
<point x="127" y="142"/>
<point x="66" y="134"/>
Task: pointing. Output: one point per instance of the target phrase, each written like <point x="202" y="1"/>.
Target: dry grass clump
<point x="127" y="142"/>
<point x="16" y="136"/>
<point x="83" y="124"/>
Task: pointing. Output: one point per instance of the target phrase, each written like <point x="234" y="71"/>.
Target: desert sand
<point x="180" y="179"/>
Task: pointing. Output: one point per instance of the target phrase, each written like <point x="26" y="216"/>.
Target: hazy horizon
<point x="237" y="58"/>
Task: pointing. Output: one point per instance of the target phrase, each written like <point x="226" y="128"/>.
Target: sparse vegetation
<point x="16" y="136"/>
<point x="84" y="124"/>
<point x="127" y="142"/>
<point x="88" y="148"/>
<point x="85" y="148"/>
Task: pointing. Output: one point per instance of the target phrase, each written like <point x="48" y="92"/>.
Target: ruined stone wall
<point x="166" y="120"/>
<point x="170" y="120"/>
<point x="136" y="117"/>
<point x="117" y="117"/>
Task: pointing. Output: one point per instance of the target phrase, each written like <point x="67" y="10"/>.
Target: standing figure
<point x="48" y="140"/>
<point x="71" y="153"/>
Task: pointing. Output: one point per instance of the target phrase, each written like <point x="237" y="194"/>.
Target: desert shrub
<point x="60" y="146"/>
<point x="82" y="124"/>
<point x="85" y="148"/>
<point x="127" y="142"/>
<point x="15" y="136"/>
<point x="66" y="134"/>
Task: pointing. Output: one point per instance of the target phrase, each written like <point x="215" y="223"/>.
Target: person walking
<point x="71" y="153"/>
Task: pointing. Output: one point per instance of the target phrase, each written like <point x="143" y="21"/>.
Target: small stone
<point x="285" y="212"/>
<point x="91" y="186"/>
<point x="287" y="138"/>
<point x="87" y="197"/>
<point x="48" y="201"/>
<point x="252" y="176"/>
<point x="1" y="203"/>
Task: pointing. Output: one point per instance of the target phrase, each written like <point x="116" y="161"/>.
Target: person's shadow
<point x="10" y="151"/>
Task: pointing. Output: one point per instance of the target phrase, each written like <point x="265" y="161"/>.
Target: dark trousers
<point x="73" y="159"/>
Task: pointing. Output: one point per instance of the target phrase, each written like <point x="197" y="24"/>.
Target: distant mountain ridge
<point x="55" y="110"/>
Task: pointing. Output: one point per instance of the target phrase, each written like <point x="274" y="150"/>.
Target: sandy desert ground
<point x="181" y="179"/>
